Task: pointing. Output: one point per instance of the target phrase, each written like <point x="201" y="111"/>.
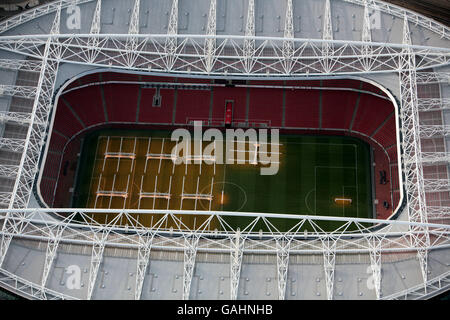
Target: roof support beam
<point x="210" y="43"/>
<point x="132" y="41"/>
<point x="414" y="184"/>
<point x="374" y="243"/>
<point x="190" y="252"/>
<point x="19" y="117"/>
<point x="98" y="247"/>
<point x="437" y="185"/>
<point x="11" y="144"/>
<point x="288" y="43"/>
<point x="433" y="77"/>
<point x="432" y="104"/>
<point x="24" y="65"/>
<point x="38" y="120"/>
<point x="145" y="245"/>
<point x="327" y="34"/>
<point x="18" y="91"/>
<point x="8" y="171"/>
<point x="329" y="260"/>
<point x="171" y="41"/>
<point x="92" y="52"/>
<point x="96" y="22"/>
<point x="52" y="247"/>
<point x="249" y="43"/>
<point x="432" y="131"/>
<point x="433" y="158"/>
<point x="283" y="246"/>
<point x="237" y="252"/>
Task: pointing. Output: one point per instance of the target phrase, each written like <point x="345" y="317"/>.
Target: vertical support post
<point x="249" y="44"/>
<point x="329" y="259"/>
<point x="288" y="43"/>
<point x="190" y="252"/>
<point x="145" y="244"/>
<point x="283" y="246"/>
<point x="210" y="43"/>
<point x="412" y="155"/>
<point x="171" y="41"/>
<point x="237" y="251"/>
<point x="327" y="34"/>
<point x="98" y="248"/>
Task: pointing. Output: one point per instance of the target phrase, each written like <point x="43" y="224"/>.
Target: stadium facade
<point x="54" y="253"/>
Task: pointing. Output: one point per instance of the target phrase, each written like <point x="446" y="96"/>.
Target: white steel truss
<point x="11" y="144"/>
<point x="236" y="253"/>
<point x="171" y="45"/>
<point x="374" y="243"/>
<point x="52" y="246"/>
<point x="430" y="131"/>
<point x="216" y="55"/>
<point x="210" y="43"/>
<point x="437" y="185"/>
<point x="18" y="91"/>
<point x="283" y="245"/>
<point x="38" y="121"/>
<point x="433" y="77"/>
<point x="393" y="236"/>
<point x="288" y="44"/>
<point x="25" y="65"/>
<point x="433" y="158"/>
<point x="18" y="117"/>
<point x="145" y="244"/>
<point x="8" y="171"/>
<point x="433" y="104"/>
<point x="412" y="153"/>
<point x="190" y="252"/>
<point x="249" y="49"/>
<point x="98" y="247"/>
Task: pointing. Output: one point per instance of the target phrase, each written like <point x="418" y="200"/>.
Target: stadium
<point x="350" y="97"/>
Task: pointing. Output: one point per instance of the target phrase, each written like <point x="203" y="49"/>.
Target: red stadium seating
<point x="266" y="105"/>
<point x="88" y="104"/>
<point x="192" y="105"/>
<point x="372" y="112"/>
<point x="302" y="108"/>
<point x="387" y="134"/>
<point x="161" y="114"/>
<point x="374" y="118"/>
<point x="65" y="122"/>
<point x="338" y="109"/>
<point x="239" y="98"/>
<point x="121" y="102"/>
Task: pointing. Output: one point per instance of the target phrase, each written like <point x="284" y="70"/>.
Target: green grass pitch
<point x="314" y="170"/>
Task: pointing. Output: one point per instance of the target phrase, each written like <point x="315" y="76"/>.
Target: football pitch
<point x="318" y="175"/>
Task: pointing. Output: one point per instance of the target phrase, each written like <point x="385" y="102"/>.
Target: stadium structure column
<point x="170" y="47"/>
<point x="249" y="41"/>
<point x="144" y="249"/>
<point x="366" y="36"/>
<point x="210" y="43"/>
<point x="288" y="43"/>
<point x="327" y="35"/>
<point x="37" y="124"/>
<point x="374" y="243"/>
<point x="329" y="261"/>
<point x="92" y="53"/>
<point x="98" y="246"/>
<point x="190" y="252"/>
<point x="52" y="247"/>
<point x="412" y="153"/>
<point x="237" y="250"/>
<point x="283" y="246"/>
